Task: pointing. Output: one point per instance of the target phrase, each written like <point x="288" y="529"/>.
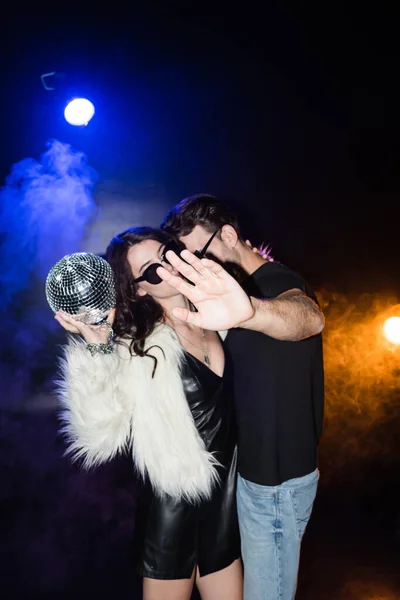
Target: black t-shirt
<point x="279" y="391"/>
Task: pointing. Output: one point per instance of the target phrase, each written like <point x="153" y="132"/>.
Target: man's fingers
<point x="183" y="267"/>
<point x="178" y="283"/>
<point x="212" y="265"/>
<point x="195" y="263"/>
<point x="216" y="268"/>
<point x="204" y="266"/>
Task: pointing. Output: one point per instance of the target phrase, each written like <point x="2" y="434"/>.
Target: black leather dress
<point x="171" y="536"/>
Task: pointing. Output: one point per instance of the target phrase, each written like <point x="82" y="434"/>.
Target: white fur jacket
<point x="111" y="403"/>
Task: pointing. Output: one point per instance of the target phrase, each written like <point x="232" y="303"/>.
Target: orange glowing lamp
<point x="391" y="330"/>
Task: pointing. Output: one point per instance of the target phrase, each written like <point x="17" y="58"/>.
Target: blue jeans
<point x="272" y="522"/>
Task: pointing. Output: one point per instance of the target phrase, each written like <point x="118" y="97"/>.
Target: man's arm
<point x="292" y="316"/>
<point x="222" y="304"/>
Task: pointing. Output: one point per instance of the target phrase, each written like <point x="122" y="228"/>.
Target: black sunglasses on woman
<point x="150" y="274"/>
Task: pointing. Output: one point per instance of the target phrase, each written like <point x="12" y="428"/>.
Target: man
<point x="278" y="372"/>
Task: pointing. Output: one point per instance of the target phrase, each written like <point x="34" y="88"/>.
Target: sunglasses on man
<point x="150" y="274"/>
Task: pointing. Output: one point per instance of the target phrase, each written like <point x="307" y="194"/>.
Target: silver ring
<point x="110" y="330"/>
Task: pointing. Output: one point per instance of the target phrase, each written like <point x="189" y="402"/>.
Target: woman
<point x="164" y="392"/>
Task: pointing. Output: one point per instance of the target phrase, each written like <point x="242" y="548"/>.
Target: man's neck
<point x="250" y="261"/>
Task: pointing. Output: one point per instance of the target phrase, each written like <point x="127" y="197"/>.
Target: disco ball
<point x="82" y="285"/>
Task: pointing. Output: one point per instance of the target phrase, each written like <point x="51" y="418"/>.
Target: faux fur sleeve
<point x="96" y="416"/>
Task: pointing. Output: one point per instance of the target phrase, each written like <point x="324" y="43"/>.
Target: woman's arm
<point x="96" y="418"/>
<point x="95" y="413"/>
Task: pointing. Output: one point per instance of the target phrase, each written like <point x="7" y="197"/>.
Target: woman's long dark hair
<point x="136" y="316"/>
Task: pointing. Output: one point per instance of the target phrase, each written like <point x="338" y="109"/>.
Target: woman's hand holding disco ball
<point x="80" y="289"/>
<point x="92" y="334"/>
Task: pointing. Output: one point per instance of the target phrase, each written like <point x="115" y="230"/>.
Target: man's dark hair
<point x="200" y="209"/>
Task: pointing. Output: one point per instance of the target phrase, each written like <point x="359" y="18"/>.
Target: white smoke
<point x="45" y="208"/>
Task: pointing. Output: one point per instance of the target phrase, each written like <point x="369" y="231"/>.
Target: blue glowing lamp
<point x="79" y="112"/>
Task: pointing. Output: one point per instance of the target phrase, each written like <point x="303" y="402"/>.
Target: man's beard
<point x="236" y="271"/>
